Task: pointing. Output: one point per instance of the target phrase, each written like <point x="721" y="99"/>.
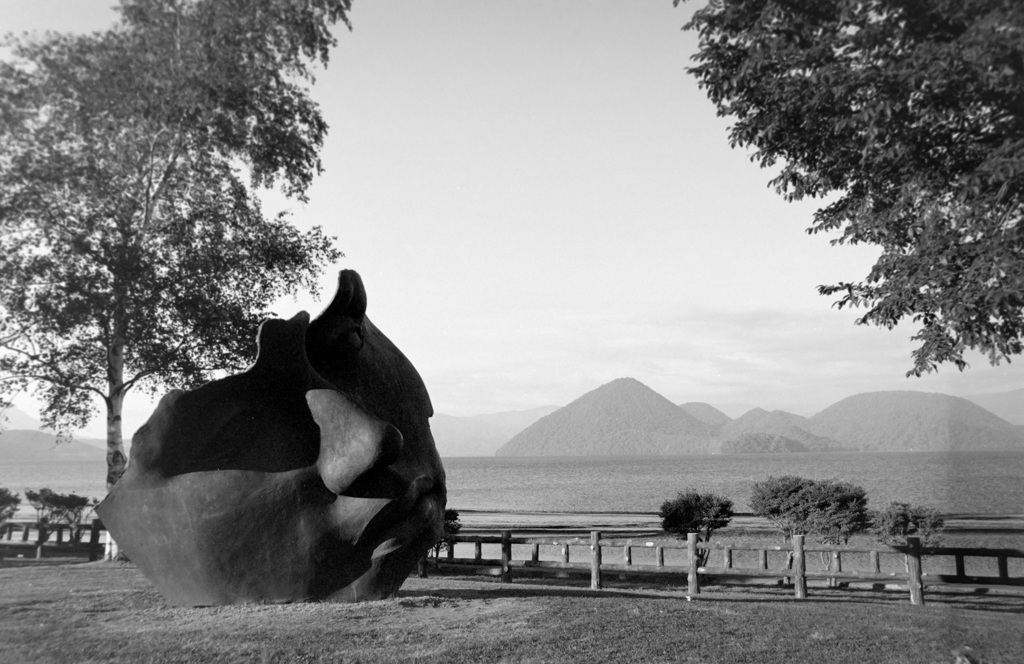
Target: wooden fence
<point x="48" y="540"/>
<point x="795" y="571"/>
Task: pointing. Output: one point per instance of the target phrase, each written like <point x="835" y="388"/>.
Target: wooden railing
<point x="795" y="572"/>
<point x="49" y="539"/>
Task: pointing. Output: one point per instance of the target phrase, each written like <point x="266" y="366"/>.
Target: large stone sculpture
<point x="312" y="475"/>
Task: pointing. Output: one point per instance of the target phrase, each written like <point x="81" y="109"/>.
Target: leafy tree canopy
<point x="694" y="512"/>
<point x="830" y="509"/>
<point x="132" y="252"/>
<point x="452" y="526"/>
<point x="9" y="502"/>
<point x="909" y="117"/>
<point x="59" y="508"/>
<point x="897" y="521"/>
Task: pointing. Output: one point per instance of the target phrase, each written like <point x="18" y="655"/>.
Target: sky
<point x="540" y="199"/>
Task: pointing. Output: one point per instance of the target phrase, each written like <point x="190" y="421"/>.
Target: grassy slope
<point x="108" y="612"/>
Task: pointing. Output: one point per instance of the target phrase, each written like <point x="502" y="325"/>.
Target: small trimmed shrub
<point x="828" y="509"/>
<point x="897" y="521"/>
<point x="694" y="512"/>
<point x="781" y="501"/>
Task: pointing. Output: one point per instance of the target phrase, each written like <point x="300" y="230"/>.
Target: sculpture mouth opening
<point x="414" y="530"/>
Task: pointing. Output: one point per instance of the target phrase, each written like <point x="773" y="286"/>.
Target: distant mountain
<point x="1007" y="405"/>
<point x="777" y="423"/>
<point x="621" y="418"/>
<point x="733" y="410"/>
<point x="15" y="418"/>
<point x="706" y="413"/>
<point x="919" y="421"/>
<point x="20" y="445"/>
<point x="481" y="435"/>
<point x="761" y="443"/>
<point x="465" y="436"/>
<point x="513" y="421"/>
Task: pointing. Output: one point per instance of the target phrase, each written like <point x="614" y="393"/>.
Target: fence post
<point x="41" y="537"/>
<point x="535" y="552"/>
<point x="799" y="567"/>
<point x="876" y="566"/>
<point x="478" y="549"/>
<point x="565" y="552"/>
<point x="595" y="560"/>
<point x="835" y="565"/>
<point x="506" y="556"/>
<point x="627" y="553"/>
<point x="659" y="554"/>
<point x="914" y="569"/>
<point x="94" y="540"/>
<point x="727" y="557"/>
<point x="692" y="584"/>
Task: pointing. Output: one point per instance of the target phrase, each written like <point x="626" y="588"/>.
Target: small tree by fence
<point x="54" y="508"/>
<point x="831" y="510"/>
<point x="694" y="512"/>
<point x="8" y="505"/>
<point x="452" y="526"/>
<point x="897" y="521"/>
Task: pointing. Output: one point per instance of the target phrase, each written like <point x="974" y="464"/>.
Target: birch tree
<point x="134" y="254"/>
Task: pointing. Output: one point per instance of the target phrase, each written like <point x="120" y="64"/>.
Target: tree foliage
<point x="133" y="254"/>
<point x="694" y="512"/>
<point x="54" y="508"/>
<point x="828" y="509"/>
<point x="8" y="505"/>
<point x="909" y="118"/>
<point x="897" y="521"/>
<point x="452" y="526"/>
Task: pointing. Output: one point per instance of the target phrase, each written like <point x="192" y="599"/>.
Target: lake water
<point x="984" y="482"/>
<point x="959" y="482"/>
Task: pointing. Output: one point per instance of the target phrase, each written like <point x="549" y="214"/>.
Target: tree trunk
<point x="116" y="459"/>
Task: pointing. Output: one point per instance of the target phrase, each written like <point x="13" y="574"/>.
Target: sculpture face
<point x="311" y="475"/>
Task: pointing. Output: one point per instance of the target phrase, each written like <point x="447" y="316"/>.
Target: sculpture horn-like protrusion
<point x="337" y="334"/>
<point x="353" y="443"/>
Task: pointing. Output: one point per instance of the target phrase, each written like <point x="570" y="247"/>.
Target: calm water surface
<point x="962" y="482"/>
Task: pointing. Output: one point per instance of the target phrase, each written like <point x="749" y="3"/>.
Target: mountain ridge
<point x="31" y="446"/>
<point x="916" y="421"/>
<point x="622" y="417"/>
<point x="600" y="422"/>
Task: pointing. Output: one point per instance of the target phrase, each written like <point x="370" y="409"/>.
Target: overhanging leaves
<point x="909" y="114"/>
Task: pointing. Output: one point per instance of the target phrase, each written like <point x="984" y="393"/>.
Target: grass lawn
<point x="107" y="612"/>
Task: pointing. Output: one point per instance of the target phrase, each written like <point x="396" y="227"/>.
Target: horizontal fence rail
<point x="42" y="539"/>
<point x="591" y="554"/>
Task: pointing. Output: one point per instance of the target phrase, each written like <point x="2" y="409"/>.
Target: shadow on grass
<point x="11" y="562"/>
<point x="971" y="599"/>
